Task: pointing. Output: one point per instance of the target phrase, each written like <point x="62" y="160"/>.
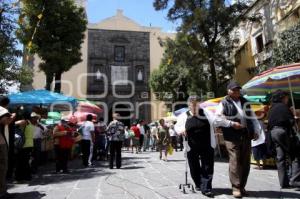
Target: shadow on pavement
<point x="28" y="195"/>
<point x="132" y="167"/>
<point x="138" y="158"/>
<point x="176" y="160"/>
<point x="259" y="194"/>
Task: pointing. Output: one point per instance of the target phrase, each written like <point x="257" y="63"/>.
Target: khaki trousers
<point x="239" y="162"/>
<point x="3" y="168"/>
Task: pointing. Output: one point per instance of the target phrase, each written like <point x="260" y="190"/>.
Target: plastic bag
<point x="170" y="149"/>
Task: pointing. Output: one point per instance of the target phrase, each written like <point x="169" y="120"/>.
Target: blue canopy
<point x="182" y="110"/>
<point x="40" y="97"/>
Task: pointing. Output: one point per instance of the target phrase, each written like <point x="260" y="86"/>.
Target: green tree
<point x="287" y="50"/>
<point x="58" y="29"/>
<point x="178" y="74"/>
<point x="208" y="24"/>
<point x="10" y="70"/>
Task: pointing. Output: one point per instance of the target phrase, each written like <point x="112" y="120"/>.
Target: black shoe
<point x="208" y="194"/>
<point x="7" y="196"/>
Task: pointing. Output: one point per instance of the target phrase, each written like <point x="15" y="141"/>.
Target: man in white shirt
<point x="235" y="118"/>
<point x="88" y="138"/>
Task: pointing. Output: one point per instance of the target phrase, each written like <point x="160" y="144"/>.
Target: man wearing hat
<point x="5" y="118"/>
<point x="235" y="118"/>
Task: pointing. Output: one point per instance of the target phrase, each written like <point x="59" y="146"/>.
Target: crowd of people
<point x="241" y="130"/>
<point x="243" y="133"/>
<point x="22" y="134"/>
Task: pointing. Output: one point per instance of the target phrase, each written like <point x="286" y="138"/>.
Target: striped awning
<point x="274" y="79"/>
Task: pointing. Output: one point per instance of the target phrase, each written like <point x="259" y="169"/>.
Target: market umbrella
<point x="81" y="116"/>
<point x="88" y="106"/>
<point x="211" y="105"/>
<point x="179" y="111"/>
<point x="40" y="97"/>
<point x="281" y="77"/>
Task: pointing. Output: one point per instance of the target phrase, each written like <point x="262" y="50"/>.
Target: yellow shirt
<point x="29" y="131"/>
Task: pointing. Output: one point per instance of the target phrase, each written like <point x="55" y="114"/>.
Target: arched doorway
<point x="124" y="112"/>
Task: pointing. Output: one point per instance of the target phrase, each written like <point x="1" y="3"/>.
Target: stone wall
<point x="101" y="57"/>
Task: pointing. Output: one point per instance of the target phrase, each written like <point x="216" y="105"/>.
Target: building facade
<point x="118" y="56"/>
<point x="257" y="38"/>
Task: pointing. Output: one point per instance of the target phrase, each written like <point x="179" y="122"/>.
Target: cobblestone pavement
<point x="142" y="176"/>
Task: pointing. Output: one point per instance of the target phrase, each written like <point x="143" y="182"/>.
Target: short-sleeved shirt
<point x="38" y="133"/>
<point x="115" y="130"/>
<point x="142" y="129"/>
<point x="136" y="131"/>
<point x="87" y="128"/>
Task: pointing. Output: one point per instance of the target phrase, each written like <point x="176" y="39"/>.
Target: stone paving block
<point x="142" y="176"/>
<point x="83" y="193"/>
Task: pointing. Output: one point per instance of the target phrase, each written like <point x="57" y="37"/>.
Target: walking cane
<point x="186" y="184"/>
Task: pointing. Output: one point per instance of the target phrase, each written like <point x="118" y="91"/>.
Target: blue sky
<point x="141" y="11"/>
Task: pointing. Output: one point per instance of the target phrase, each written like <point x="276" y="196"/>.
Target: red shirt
<point x="136" y="131"/>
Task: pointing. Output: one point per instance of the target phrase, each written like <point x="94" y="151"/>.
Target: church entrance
<point x="124" y="112"/>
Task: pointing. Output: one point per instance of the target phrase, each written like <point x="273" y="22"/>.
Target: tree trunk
<point x="213" y="80"/>
<point x="49" y="79"/>
<point x="57" y="87"/>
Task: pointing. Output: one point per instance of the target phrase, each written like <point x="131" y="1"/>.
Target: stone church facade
<point x="120" y="63"/>
<point x="118" y="56"/>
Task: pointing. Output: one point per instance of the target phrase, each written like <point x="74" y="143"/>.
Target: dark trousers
<point x="85" y="149"/>
<point x="180" y="140"/>
<point x="115" y="153"/>
<point x="11" y="161"/>
<point x="174" y="142"/>
<point x="23" y="170"/>
<point x="295" y="178"/>
<point x="36" y="154"/>
<point x="3" y="168"/>
<point x="62" y="156"/>
<point x="99" y="147"/>
<point x="281" y="141"/>
<point x="239" y="161"/>
<point x="11" y="152"/>
<point x="202" y="174"/>
<point x="141" y="141"/>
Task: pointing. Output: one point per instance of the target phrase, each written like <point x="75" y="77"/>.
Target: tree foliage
<point x="10" y="70"/>
<point x="208" y="25"/>
<point x="287" y="50"/>
<point x="178" y="74"/>
<point x="58" y="28"/>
